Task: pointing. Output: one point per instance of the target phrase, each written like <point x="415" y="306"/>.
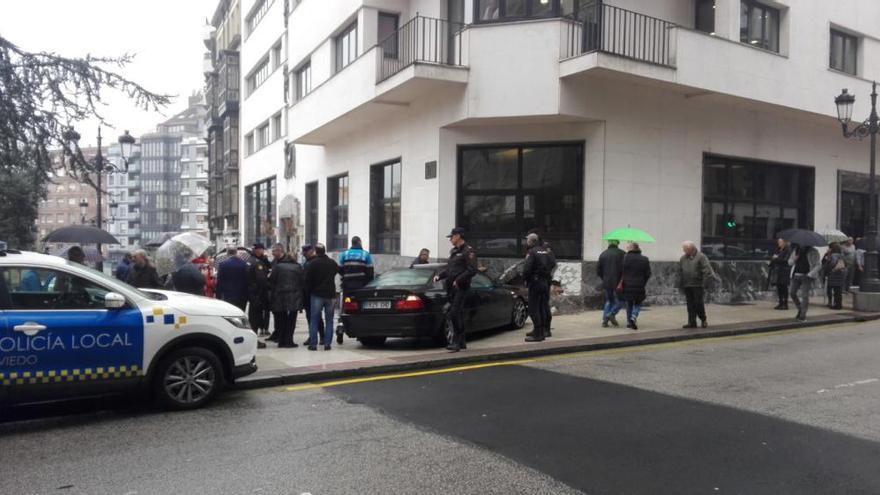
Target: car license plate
<point x="377" y="305"/>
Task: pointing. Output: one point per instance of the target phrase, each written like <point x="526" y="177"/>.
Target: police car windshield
<point x="108" y="278"/>
<point x="406" y="277"/>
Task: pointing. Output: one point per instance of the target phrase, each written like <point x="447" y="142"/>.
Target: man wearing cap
<point x="460" y="269"/>
<point x="258" y="290"/>
<point x="537" y="272"/>
<point x="356" y="269"/>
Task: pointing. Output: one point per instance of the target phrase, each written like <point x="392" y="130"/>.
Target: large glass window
<point x="337" y="212"/>
<point x="257" y="14"/>
<point x="347" y="46"/>
<point x="385" y="208"/>
<point x="759" y="25"/>
<point x="258" y="76"/>
<point x="42" y="289"/>
<point x="505" y="191"/>
<point x="388" y="25"/>
<point x="747" y="203"/>
<point x="500" y="10"/>
<point x="844" y="49"/>
<point x="260" y="212"/>
<point x="303" y="81"/>
<point x="312" y="213"/>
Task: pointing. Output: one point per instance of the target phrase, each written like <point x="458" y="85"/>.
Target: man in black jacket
<point x="143" y="275"/>
<point x="460" y="269"/>
<point x="258" y="290"/>
<point x="189" y="279"/>
<point x="537" y="272"/>
<point x="609" y="271"/>
<point x="321" y="274"/>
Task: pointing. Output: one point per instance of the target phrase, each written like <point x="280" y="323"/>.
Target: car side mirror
<point x="112" y="300"/>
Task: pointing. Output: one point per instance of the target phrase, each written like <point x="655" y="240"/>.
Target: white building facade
<point x="194" y="185"/>
<point x="704" y="120"/>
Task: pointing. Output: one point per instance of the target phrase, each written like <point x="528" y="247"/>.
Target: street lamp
<point x="83" y="208"/>
<point x="126" y="144"/>
<point x="869" y="128"/>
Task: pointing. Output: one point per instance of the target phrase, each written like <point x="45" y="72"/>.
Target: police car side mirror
<point x="113" y="300"/>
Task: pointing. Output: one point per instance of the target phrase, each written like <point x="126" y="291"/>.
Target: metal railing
<point x="421" y="40"/>
<point x="598" y="27"/>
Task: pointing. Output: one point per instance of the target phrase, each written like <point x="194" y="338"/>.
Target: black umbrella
<point x="803" y="237"/>
<point x="80" y="234"/>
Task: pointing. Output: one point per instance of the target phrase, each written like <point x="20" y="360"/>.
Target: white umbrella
<point x="832" y="235"/>
<point x="180" y="250"/>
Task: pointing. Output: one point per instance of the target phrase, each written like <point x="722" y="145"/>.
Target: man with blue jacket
<point x="232" y="280"/>
<point x="356" y="268"/>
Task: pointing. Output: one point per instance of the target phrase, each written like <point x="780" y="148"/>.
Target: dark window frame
<point x="766" y="9"/>
<point x="337" y="240"/>
<point x="845" y="38"/>
<point x="390" y="50"/>
<point x="805" y="203"/>
<point x="339" y="42"/>
<point x="520" y="192"/>
<point x="312" y="211"/>
<point x="556" y="10"/>
<point x="379" y="203"/>
<point x="697" y="6"/>
<point x="303" y="77"/>
<point x="259" y="208"/>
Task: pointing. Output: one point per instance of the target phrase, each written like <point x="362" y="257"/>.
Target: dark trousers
<point x="240" y="303"/>
<point x="782" y="294"/>
<point x="285" y="324"/>
<point x="539" y="306"/>
<point x="258" y="314"/>
<point x="456" y="314"/>
<point x="308" y="309"/>
<point x="835" y="297"/>
<point x="695" y="306"/>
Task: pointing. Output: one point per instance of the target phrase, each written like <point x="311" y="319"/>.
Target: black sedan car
<point x="405" y="302"/>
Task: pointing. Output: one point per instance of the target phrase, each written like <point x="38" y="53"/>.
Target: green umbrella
<point x="628" y="234"/>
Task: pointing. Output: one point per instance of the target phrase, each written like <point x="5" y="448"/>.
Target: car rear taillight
<point x="349" y="306"/>
<point x="411" y="303"/>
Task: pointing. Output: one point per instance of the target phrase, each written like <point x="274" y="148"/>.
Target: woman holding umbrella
<point x="780" y="272"/>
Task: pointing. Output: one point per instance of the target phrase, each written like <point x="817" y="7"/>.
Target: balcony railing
<point x="421" y="40"/>
<point x="598" y="27"/>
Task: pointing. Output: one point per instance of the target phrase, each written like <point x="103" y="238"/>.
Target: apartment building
<point x="124" y="199"/>
<point x="222" y="95"/>
<point x="161" y="168"/>
<point x="194" y="185"/>
<point x="69" y="201"/>
<point x="264" y="175"/>
<point x="707" y="120"/>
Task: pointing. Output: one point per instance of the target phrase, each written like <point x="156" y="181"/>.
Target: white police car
<point x="67" y="330"/>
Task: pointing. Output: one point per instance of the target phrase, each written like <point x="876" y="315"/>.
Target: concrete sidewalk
<point x="571" y="333"/>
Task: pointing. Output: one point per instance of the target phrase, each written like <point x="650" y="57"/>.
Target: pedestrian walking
<point x="461" y="266"/>
<point x="320" y="275"/>
<point x="258" y="290"/>
<point x="635" y="273"/>
<point x="356" y="269"/>
<point x="308" y="253"/>
<point x="694" y="272"/>
<point x="76" y="255"/>
<point x="537" y="272"/>
<point x="286" y="281"/>
<point x="142" y="274"/>
<point x="835" y="271"/>
<point x="609" y="271"/>
<point x="123" y="268"/>
<point x="848" y="252"/>
<point x="423" y="258"/>
<point x="780" y="272"/>
<point x="232" y="280"/>
<point x="805" y="260"/>
<point x="189" y="279"/>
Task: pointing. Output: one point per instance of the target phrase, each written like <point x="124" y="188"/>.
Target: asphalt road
<point x="795" y="412"/>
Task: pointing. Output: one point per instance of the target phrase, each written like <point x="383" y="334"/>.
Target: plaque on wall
<point x="431" y="170"/>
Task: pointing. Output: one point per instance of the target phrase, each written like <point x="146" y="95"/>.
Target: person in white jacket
<point x="805" y="260"/>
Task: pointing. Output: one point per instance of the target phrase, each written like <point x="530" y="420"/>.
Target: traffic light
<point x="730" y="223"/>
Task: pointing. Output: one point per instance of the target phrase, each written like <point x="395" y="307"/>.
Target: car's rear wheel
<point x="519" y="315"/>
<point x="372" y="341"/>
<point x="188" y="378"/>
<point x="445" y="334"/>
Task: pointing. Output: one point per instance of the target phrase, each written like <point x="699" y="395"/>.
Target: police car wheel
<point x="188" y="378"/>
<point x="520" y="314"/>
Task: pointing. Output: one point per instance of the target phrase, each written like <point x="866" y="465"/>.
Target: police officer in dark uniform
<point x="460" y="269"/>
<point x="537" y="272"/>
<point x="258" y="289"/>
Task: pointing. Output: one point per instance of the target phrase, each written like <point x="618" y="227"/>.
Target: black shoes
<point x="339" y="334"/>
<point x="632" y="324"/>
<point x="613" y="320"/>
<point x="313" y="348"/>
<point x="532" y="338"/>
<point x="327" y="347"/>
<point x="689" y="325"/>
<point x="453" y="348"/>
<point x="604" y="323"/>
<point x="704" y="323"/>
<point x="261" y="345"/>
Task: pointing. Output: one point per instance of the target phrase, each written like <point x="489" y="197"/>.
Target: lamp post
<point x="869" y="128"/>
<point x="99" y="166"/>
<point x="83" y="209"/>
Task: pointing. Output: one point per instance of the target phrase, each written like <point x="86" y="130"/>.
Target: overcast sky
<point x="165" y="35"/>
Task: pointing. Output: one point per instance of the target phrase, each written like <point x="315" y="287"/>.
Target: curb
<point x="291" y="376"/>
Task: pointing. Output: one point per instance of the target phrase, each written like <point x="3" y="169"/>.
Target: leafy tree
<point x="41" y="95"/>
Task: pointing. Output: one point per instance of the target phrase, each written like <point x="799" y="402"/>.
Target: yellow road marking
<point x="571" y="355"/>
<point x="396" y="376"/>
